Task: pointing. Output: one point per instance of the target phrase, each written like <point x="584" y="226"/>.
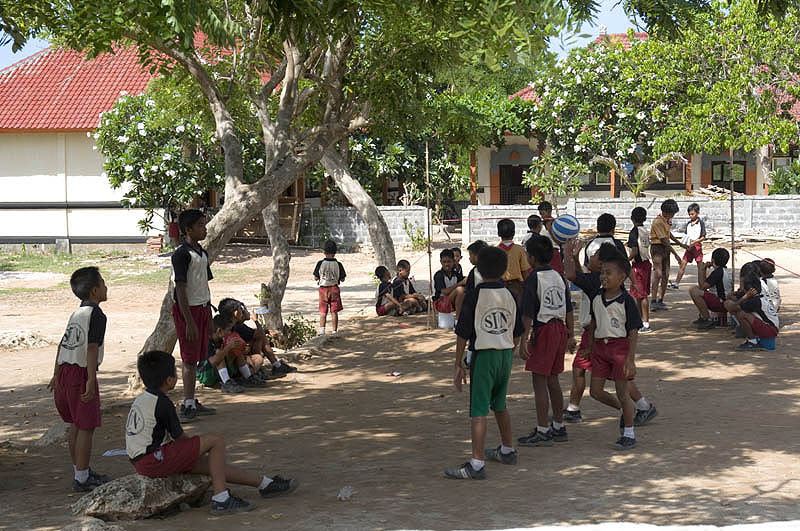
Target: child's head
<point x="720" y="257"/>
<point x="492" y="263"/>
<point x="221" y="326"/>
<point x="534" y="223"/>
<point x="614" y="271"/>
<point x="157" y="370"/>
<point x="505" y="229"/>
<point x="193" y="224"/>
<point x="382" y="274"/>
<point x="606" y="223"/>
<point x="233" y="310"/>
<point x="604" y="253"/>
<point x="403" y="269"/>
<point x="473" y="249"/>
<point x="669" y="208"/>
<point x="767" y="267"/>
<point x="329" y="248"/>
<point x="693" y="210"/>
<point x="540" y="251"/>
<point x="456" y="254"/>
<point x="88" y="284"/>
<point x="750" y="269"/>
<point x="751" y="280"/>
<point x="638" y="215"/>
<point x="446" y="259"/>
<point x="545" y="209"/>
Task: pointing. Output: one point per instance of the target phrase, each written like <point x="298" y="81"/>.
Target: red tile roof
<point x="620" y="37"/>
<point x="526" y="94"/>
<point x="59" y="90"/>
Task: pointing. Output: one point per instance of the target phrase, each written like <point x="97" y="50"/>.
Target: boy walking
<point x="157" y="445"/>
<point x="74" y="382"/>
<point x="518" y="267"/>
<point x="191" y="308"/>
<point x="492" y="325"/>
<point x="547" y="310"/>
<point x="639" y="245"/>
<point x="660" y="249"/>
<point x="695" y="235"/>
<point x="329" y="273"/>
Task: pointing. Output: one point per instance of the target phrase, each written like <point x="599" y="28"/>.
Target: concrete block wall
<point x="771" y="215"/>
<point x="346" y="227"/>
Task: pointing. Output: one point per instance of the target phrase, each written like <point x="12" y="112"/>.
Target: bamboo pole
<point x="733" y="238"/>
<point x="428" y="217"/>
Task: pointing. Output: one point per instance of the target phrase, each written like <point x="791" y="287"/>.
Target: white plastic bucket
<point x="446" y="320"/>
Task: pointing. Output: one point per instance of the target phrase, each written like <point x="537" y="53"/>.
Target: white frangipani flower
<point x="180" y="129"/>
<point x="128" y="167"/>
<point x="640" y="115"/>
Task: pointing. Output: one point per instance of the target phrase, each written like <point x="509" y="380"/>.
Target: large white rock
<point x="92" y="524"/>
<point x="135" y="497"/>
<point x="56" y="434"/>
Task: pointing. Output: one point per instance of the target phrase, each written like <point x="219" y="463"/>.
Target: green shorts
<point x="208" y="375"/>
<point x="488" y="381"/>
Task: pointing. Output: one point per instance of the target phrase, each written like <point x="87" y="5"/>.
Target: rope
<point x="776" y="265"/>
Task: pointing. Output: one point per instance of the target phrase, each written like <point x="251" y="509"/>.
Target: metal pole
<point x="428" y="218"/>
<point x="733" y="238"/>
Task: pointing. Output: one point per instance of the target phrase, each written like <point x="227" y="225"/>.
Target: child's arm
<point x="92" y="353"/>
<point x="665" y="242"/>
<point x="571" y="265"/>
<point x="342" y="274"/>
<point x="54" y="380"/>
<point x="630" y="363"/>
<point x="569" y="321"/>
<point x="527" y="324"/>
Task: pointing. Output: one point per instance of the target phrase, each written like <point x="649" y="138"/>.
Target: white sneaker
<point x="320" y="331"/>
<point x="645" y="330"/>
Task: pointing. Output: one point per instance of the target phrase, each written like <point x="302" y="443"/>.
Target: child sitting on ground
<point x="74" y="382"/>
<point x="548" y="330"/>
<point x="220" y="366"/>
<point x="639" y="245"/>
<point x="491" y="324"/>
<point x="720" y="281"/>
<point x="403" y="289"/>
<point x="386" y="304"/>
<point x="158" y="447"/>
<point x="445" y="284"/>
<point x="753" y="311"/>
<point x="695" y="235"/>
<point x="457" y="260"/>
<point x="534" y="228"/>
<point x="518" y="267"/>
<point x="770" y="283"/>
<point x="236" y="312"/>
<point x="329" y="273"/>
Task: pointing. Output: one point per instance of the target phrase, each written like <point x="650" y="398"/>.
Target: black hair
<point x="545" y="205"/>
<point x="608" y="252"/>
<point x="506" y="229"/>
<point x="403" y="264"/>
<point x="767" y="267"/>
<point x="750" y="268"/>
<point x="456" y="250"/>
<point x="720" y="257"/>
<point x="154" y="367"/>
<point x="693" y="207"/>
<point x="606" y="223"/>
<point x="227" y="306"/>
<point x="492" y="262"/>
<point x="534" y="221"/>
<point x="330" y="247"/>
<point x="620" y="262"/>
<point x="751" y="281"/>
<point x="83" y="280"/>
<point x="447" y="253"/>
<point x="669" y="206"/>
<point x="476" y="246"/>
<point x="638" y="215"/>
<point x="187" y="218"/>
<point x="380" y="271"/>
<point x="221" y="321"/>
<point x="540" y="248"/>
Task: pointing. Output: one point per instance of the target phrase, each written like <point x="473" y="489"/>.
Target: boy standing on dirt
<point x="639" y="245"/>
<point x="74" y="381"/>
<point x="660" y="249"/>
<point x="329" y="273"/>
<point x="518" y="268"/>
<point x="492" y="325"/>
<point x="191" y="308"/>
<point x="695" y="236"/>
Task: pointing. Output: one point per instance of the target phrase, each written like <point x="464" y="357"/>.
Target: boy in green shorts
<point x="491" y="323"/>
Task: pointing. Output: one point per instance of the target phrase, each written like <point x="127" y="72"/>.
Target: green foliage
<point x="296" y="331"/>
<point x="416" y="234"/>
<point x="785" y="180"/>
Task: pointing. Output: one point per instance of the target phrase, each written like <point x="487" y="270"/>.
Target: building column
<point x="473" y="178"/>
<point x="687" y="173"/>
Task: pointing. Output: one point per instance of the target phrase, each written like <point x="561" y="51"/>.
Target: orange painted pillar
<point x="687" y="174"/>
<point x="473" y="178"/>
<point x="750" y="181"/>
<point x="613" y="183"/>
<point x="494" y="189"/>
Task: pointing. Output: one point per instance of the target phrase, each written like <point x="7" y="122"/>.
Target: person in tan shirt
<point x="518" y="267"/>
<point x="660" y="249"/>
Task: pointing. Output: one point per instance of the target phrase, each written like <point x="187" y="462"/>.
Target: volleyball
<point x="565" y="227"/>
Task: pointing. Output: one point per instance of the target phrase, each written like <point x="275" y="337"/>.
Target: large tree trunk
<point x="281" y="256"/>
<point x="358" y="197"/>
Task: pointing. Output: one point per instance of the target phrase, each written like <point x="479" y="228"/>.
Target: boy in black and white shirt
<point x="329" y="273"/>
<point x="754" y="313"/>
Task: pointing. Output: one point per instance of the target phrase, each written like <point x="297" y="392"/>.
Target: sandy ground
<point x="722" y="451"/>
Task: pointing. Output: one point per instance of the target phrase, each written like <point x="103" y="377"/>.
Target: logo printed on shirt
<point x="73" y="337"/>
<point x="135" y="422"/>
<point x="496" y="321"/>
<point x="553" y="298"/>
<point x="615" y="323"/>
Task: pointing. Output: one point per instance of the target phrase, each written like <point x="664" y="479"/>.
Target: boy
<point x="473" y="278"/>
<point x="606" y="224"/>
<point x="614" y="329"/>
<point x="754" y="313"/>
<point x="329" y="273"/>
<point x="74" y="382"/>
<point x="492" y="325"/>
<point x="770" y="283"/>
<point x="719" y="280"/>
<point x="386" y="304"/>
<point x="518" y="267"/>
<point x="236" y="312"/>
<point x="457" y="260"/>
<point x="158" y="447"/>
<point x="545" y="209"/>
<point x="639" y="245"/>
<point x="216" y="369"/>
<point x="534" y="228"/>
<point x="403" y="289"/>
<point x="695" y="235"/>
<point x="547" y="309"/>
<point x="445" y="283"/>
<point x="660" y="249"/>
<point x="191" y="308"/>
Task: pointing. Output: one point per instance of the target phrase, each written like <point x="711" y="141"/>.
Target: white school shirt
<point x="74" y="346"/>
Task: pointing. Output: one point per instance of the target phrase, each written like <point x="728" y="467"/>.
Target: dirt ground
<point x="723" y="450"/>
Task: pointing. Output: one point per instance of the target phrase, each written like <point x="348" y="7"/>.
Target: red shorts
<point x="177" y="457"/>
<point x="193" y="351"/>
<point x="641" y="272"/>
<point x="762" y="329"/>
<point x="713" y="302"/>
<point x="73" y="410"/>
<point x="609" y="357"/>
<point x="556" y="263"/>
<point x="444" y="305"/>
<point x="694" y="252"/>
<point x="330" y="296"/>
<point x="546" y="348"/>
<point x="381" y="310"/>
<point x="580" y="362"/>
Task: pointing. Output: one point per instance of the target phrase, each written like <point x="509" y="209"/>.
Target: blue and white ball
<point x="565" y="227"/>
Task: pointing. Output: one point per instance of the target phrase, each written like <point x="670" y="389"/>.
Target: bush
<point x="786" y="180"/>
<point x="296" y="331"/>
